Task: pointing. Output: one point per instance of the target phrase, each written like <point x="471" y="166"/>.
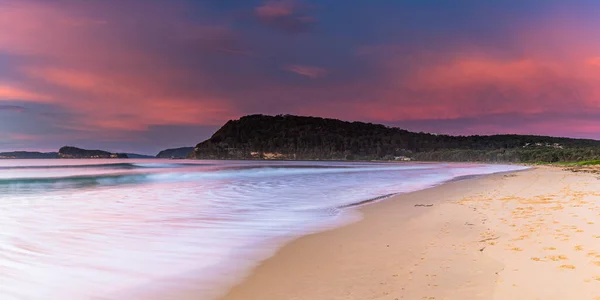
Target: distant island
<point x="288" y="137"/>
<point x="73" y="152"/>
<point x="28" y="155"/>
<point x="182" y="152"/>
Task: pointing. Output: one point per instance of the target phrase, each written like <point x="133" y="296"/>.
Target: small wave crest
<point x="122" y="166"/>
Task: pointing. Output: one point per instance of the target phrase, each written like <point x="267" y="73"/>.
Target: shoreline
<point x="189" y="288"/>
<point x="412" y="206"/>
<point x="464" y="246"/>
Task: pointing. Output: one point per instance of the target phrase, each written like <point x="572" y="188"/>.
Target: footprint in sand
<point x="570" y="267"/>
<point x="557" y="258"/>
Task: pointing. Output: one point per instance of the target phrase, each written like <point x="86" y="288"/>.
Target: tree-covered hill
<point x="73" y="152"/>
<point x="310" y="138"/>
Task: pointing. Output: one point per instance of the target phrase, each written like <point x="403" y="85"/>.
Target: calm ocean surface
<point x="103" y="229"/>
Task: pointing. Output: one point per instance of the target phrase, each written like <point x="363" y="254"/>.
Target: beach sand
<point x="533" y="234"/>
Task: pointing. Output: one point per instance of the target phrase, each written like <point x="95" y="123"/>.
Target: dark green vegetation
<point x="28" y="155"/>
<point x="310" y="138"/>
<point x="73" y="152"/>
<point x="583" y="163"/>
<point x="175" y="153"/>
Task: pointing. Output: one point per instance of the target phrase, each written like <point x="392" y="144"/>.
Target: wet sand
<point x="526" y="235"/>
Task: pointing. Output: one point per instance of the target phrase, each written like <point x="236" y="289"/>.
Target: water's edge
<point x="459" y="178"/>
<point x="350" y="214"/>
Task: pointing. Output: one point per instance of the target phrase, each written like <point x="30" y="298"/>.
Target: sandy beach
<point x="525" y="235"/>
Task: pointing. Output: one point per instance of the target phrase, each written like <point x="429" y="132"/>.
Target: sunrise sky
<point x="141" y="76"/>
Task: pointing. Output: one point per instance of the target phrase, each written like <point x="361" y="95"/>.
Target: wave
<point x="38" y="184"/>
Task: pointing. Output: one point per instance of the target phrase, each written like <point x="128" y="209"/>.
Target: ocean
<point x="114" y="229"/>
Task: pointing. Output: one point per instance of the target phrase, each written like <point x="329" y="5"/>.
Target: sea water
<point x="103" y="229"/>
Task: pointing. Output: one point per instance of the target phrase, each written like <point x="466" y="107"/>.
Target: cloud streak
<point x="12" y="108"/>
<point x="308" y="71"/>
<point x="10" y="93"/>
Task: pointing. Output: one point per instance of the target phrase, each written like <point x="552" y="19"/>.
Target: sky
<point x="145" y="75"/>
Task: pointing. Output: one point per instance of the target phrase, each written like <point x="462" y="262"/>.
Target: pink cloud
<point x="38" y="28"/>
<point x="106" y="97"/>
<point x="469" y="81"/>
<point x="275" y="9"/>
